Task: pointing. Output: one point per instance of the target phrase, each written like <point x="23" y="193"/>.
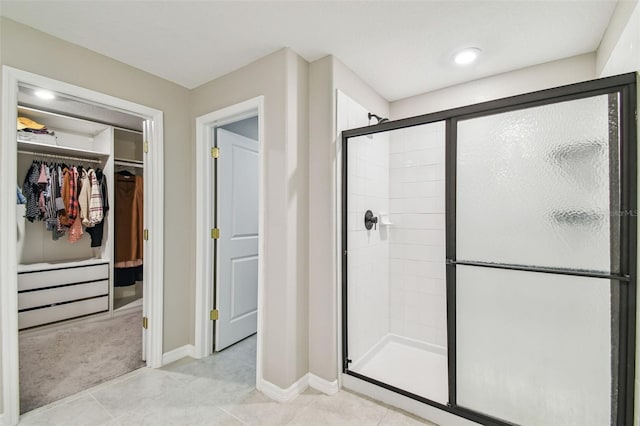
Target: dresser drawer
<point x="36" y="298"/>
<point x="55" y="277"/>
<point x="66" y="311"/>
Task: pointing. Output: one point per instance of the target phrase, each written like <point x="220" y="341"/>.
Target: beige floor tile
<point x="397" y="418"/>
<point x="149" y="390"/>
<point x="82" y="411"/>
<point x="344" y="408"/>
<point x="258" y="409"/>
<point x="216" y="391"/>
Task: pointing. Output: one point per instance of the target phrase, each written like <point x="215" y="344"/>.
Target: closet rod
<point x="124" y="129"/>
<point x="62" y="157"/>
<point x="129" y="163"/>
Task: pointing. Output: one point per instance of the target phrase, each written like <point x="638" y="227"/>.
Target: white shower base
<point x="411" y="365"/>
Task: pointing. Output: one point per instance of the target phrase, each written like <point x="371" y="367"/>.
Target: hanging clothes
<point x="96" y="213"/>
<point x="67" y="199"/>
<point x="129" y="222"/>
<point x="97" y="230"/>
<point x="31" y="191"/>
<point x="21" y="198"/>
<point x="83" y="197"/>
<point x="128" y="218"/>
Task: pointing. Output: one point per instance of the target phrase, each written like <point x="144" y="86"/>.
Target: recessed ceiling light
<point x="44" y="94"/>
<point x="467" y="56"/>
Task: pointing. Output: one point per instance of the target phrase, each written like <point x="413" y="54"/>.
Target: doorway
<point x="235" y="213"/>
<point x="83" y="276"/>
<point x="230" y="188"/>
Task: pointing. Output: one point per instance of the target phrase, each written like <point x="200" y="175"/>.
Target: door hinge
<point x="215" y="233"/>
<point x="145" y="147"/>
<point x="215" y="152"/>
<point x="145" y="234"/>
<point x="213" y="315"/>
<point x="145" y="322"/>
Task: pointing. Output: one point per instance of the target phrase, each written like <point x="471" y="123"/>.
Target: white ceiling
<point x="400" y="48"/>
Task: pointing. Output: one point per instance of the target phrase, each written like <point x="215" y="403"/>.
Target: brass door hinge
<point x="145" y="147"/>
<point x="215" y="233"/>
<point x="215" y="152"/>
<point x="145" y="322"/>
<point x="213" y="315"/>
<point x="145" y="234"/>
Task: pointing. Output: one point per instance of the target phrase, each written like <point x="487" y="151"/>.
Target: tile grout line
<point x="53" y="405"/>
<point x="103" y="407"/>
<point x="386" y="413"/>
<point x="235" y="417"/>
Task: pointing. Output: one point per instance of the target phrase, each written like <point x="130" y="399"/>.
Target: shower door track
<point x="625" y="85"/>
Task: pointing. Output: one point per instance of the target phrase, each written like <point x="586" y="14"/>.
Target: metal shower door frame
<point x="625" y="86"/>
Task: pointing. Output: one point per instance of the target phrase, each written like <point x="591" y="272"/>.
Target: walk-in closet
<point x="80" y="223"/>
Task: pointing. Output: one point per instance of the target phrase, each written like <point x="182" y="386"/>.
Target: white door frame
<point x="204" y="213"/>
<point x="154" y="250"/>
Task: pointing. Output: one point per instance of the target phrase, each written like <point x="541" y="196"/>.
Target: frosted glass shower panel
<point x="548" y="167"/>
<point x="533" y="348"/>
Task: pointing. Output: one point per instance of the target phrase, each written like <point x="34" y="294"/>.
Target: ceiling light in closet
<point x="44" y="94"/>
<point x="467" y="56"/>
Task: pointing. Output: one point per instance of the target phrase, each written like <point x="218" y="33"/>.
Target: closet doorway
<point x="66" y="278"/>
<point x="230" y="188"/>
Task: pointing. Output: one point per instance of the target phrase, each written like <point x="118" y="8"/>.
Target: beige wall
<point x="525" y="80"/>
<point x="327" y="75"/>
<point x="322" y="212"/>
<point x="282" y="79"/>
<point x="27" y="49"/>
<point x="619" y="50"/>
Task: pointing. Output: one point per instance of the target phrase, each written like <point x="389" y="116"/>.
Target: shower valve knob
<point x="370" y="221"/>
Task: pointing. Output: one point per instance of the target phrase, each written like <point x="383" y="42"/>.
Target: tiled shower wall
<point x="368" y="272"/>
<point x="417" y="291"/>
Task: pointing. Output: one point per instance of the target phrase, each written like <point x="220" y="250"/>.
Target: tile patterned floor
<point x="218" y="390"/>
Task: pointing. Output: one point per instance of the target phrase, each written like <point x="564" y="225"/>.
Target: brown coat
<point x="129" y="218"/>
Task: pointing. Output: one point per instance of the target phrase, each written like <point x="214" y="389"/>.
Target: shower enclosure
<point x="489" y="256"/>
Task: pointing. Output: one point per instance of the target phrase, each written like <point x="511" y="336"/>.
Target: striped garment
<point x="83" y="198"/>
<point x="96" y="213"/>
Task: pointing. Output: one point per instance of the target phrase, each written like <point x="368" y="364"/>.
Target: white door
<point x="237" y="247"/>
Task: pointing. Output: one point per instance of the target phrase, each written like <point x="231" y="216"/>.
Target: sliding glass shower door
<point x="537" y="236"/>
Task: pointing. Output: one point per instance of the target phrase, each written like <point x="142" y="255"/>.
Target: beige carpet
<point x="58" y="363"/>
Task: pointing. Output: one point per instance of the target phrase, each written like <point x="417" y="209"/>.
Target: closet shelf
<point x="47" y="266"/>
<point x="59" y="150"/>
<point x="55" y="121"/>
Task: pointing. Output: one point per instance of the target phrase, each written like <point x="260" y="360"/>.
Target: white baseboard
<point x="322" y="385"/>
<point x="178" y="353"/>
<point x="283" y="395"/>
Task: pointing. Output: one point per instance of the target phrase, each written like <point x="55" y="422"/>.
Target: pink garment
<point x="75" y="232"/>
